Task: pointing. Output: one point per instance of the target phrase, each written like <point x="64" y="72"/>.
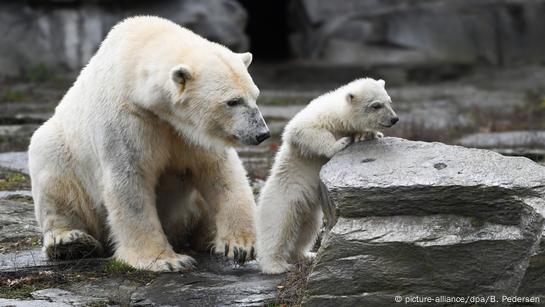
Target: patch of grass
<point x="10" y="181"/>
<point x="117" y="267"/>
<point x="291" y="291"/>
<point x="20" y="284"/>
<point x="20" y="287"/>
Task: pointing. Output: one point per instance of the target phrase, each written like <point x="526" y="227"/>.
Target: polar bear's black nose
<point x="262" y="137"/>
<point x="394" y="120"/>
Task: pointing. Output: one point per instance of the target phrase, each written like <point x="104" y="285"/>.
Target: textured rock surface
<point x="17" y="221"/>
<point x="534" y="280"/>
<point x="215" y="283"/>
<point x="37" y="37"/>
<point x="33" y="303"/>
<point x="56" y="295"/>
<point x="413" y="32"/>
<point x="415" y="218"/>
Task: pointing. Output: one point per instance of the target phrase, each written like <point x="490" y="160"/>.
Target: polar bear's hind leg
<point x="62" y="210"/>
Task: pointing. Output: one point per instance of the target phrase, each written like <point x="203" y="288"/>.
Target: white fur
<point x="289" y="211"/>
<point x="128" y="129"/>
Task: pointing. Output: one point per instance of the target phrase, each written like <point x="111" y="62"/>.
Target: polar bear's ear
<point x="350" y="98"/>
<point x="246" y="58"/>
<point x="181" y="74"/>
<point x="381" y="82"/>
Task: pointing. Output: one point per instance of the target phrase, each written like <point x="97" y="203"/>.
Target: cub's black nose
<point x="262" y="137"/>
<point x="394" y="120"/>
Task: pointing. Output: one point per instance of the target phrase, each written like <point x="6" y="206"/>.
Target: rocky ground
<point x="502" y="110"/>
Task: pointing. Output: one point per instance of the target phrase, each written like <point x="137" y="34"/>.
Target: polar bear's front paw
<point x="271" y="266"/>
<point x="164" y="262"/>
<point x="172" y="263"/>
<point x="240" y="249"/>
<point x="70" y="244"/>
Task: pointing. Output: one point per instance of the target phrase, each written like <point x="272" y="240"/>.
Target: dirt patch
<point x="20" y="245"/>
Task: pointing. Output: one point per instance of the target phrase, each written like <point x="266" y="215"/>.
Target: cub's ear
<point x="381" y="82"/>
<point x="246" y="58"/>
<point x="181" y="74"/>
<point x="350" y="98"/>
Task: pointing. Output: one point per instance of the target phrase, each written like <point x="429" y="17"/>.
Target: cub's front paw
<point x="340" y="144"/>
<point x="239" y="248"/>
<point x="368" y="135"/>
<point x="167" y="261"/>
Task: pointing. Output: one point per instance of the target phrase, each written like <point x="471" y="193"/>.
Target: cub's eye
<point x="377" y="105"/>
<point x="235" y="102"/>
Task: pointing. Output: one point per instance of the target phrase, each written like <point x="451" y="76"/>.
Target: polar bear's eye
<point x="377" y="105"/>
<point x="235" y="102"/>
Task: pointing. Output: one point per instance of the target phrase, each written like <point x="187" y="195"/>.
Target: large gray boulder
<point x="38" y="39"/>
<point x="420" y="32"/>
<point x="428" y="219"/>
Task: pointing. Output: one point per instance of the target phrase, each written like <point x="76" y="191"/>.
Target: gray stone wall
<point x="63" y="35"/>
<point x="419" y="32"/>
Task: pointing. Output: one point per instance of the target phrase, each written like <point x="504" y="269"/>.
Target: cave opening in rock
<point x="268" y="29"/>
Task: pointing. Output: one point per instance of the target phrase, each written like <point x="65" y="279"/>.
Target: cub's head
<point x="214" y="100"/>
<point x="370" y="105"/>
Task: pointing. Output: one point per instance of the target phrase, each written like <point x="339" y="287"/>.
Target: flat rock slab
<point x="216" y="282"/>
<point x="20" y="260"/>
<point x="426" y="219"/>
<point x="394" y="176"/>
<point x="521" y="143"/>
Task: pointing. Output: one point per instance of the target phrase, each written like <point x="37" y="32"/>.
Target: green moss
<point x="117" y="267"/>
<point x="477" y="223"/>
<point x="23" y="291"/>
<point x="10" y="180"/>
<point x="14" y="95"/>
<point x="39" y="73"/>
<point x="20" y="287"/>
<point x="542" y="104"/>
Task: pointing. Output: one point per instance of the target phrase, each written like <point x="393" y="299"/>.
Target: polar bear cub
<point x="289" y="210"/>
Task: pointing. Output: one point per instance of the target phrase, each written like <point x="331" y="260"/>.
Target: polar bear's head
<point x="369" y="105"/>
<point x="214" y="100"/>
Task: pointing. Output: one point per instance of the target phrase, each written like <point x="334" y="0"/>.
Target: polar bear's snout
<point x="252" y="128"/>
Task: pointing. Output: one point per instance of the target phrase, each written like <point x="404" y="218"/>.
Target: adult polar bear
<point x="139" y="151"/>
